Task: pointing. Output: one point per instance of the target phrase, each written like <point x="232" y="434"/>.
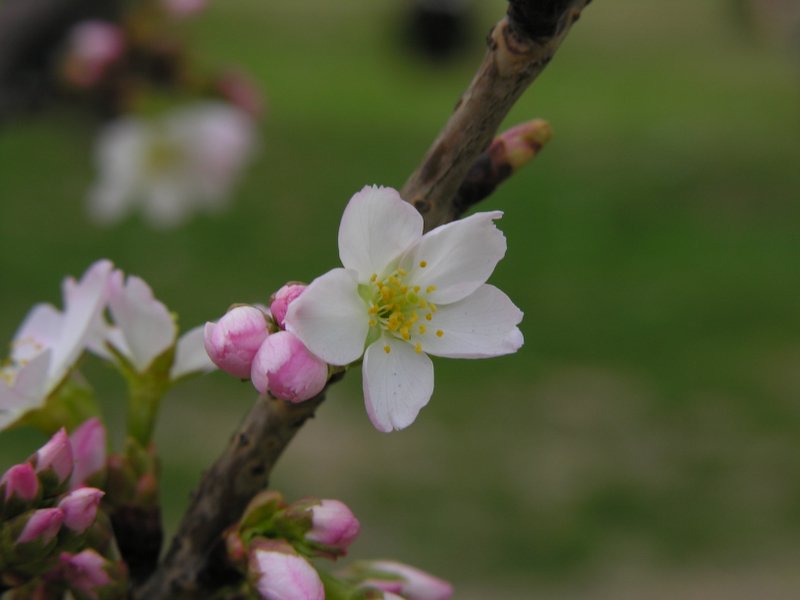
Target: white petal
<point x="330" y="318"/>
<point x="397" y="384"/>
<point x="190" y="355"/>
<point x="458" y="257"/>
<point x="40" y="330"/>
<point x="481" y="325"/>
<point x="377" y="226"/>
<point x="145" y="323"/>
<point x="83" y="301"/>
<point x="169" y="202"/>
<point x="27" y="391"/>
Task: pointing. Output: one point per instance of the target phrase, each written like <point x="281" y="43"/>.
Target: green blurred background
<point x="645" y="442"/>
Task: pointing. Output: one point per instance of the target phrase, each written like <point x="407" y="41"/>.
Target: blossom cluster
<point x="250" y="341"/>
<point x="274" y="541"/>
<point x="139" y="335"/>
<point x="399" y="297"/>
<point x="51" y="537"/>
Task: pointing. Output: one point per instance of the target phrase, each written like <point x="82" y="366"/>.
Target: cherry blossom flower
<point x="186" y="161"/>
<point x="143" y="329"/>
<point x="403" y="295"/>
<point x="49" y="342"/>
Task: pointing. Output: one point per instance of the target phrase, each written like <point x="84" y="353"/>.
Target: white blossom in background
<point x="187" y="161"/>
<point x="142" y="329"/>
<point x="403" y="295"/>
<point x="49" y="342"/>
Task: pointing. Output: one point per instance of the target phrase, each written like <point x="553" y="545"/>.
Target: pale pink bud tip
<point x="89" y="451"/>
<point x="80" y="508"/>
<point x="279" y="575"/>
<point x="414" y="583"/>
<point x="93" y="47"/>
<point x="333" y="524"/>
<point x="20" y="481"/>
<point x="283" y="298"/>
<point x="288" y="369"/>
<point x="85" y="571"/>
<point x="232" y="342"/>
<point x="42" y="526"/>
<point x="55" y="455"/>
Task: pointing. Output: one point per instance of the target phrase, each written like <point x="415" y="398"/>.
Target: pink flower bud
<point x="282" y="299"/>
<point x="241" y="91"/>
<point x="80" y="508"/>
<point x="89" y="450"/>
<point x="93" y="46"/>
<point x="333" y="524"/>
<point x="288" y="369"/>
<point x="232" y="342"/>
<point x="55" y="457"/>
<point x="20" y="483"/>
<point x="278" y="573"/>
<point x="85" y="572"/>
<point x="414" y="583"/>
<point x="43" y="525"/>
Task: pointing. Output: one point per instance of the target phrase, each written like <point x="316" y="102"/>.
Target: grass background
<point x="645" y="442"/>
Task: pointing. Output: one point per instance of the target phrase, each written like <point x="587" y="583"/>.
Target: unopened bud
<point x="332" y="524"/>
<point x="406" y="581"/>
<point x="89" y="452"/>
<point x="91" y="575"/>
<point x="518" y="145"/>
<point x="80" y="508"/>
<point x="282" y="299"/>
<point x="19" y="489"/>
<point x="41" y="526"/>
<point x="93" y="46"/>
<point x="233" y="341"/>
<point x="288" y="369"/>
<point x="278" y="573"/>
<point x="53" y="462"/>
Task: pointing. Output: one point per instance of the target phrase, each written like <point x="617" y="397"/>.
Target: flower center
<point x="400" y="308"/>
<point x="163" y="155"/>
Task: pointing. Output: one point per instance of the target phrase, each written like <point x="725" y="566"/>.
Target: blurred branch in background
<point x="518" y="52"/>
<point x="29" y="30"/>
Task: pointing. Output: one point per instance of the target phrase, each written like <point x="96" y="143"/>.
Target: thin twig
<point x="514" y="59"/>
<point x="512" y="62"/>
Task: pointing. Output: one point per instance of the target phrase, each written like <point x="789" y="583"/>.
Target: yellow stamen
<point x="430" y="288"/>
<point x="422" y="329"/>
<point x="374" y="277"/>
<point x="428" y="317"/>
<point x="418" y="348"/>
<point x="387" y="349"/>
<point x="423" y="264"/>
<point x="439" y="333"/>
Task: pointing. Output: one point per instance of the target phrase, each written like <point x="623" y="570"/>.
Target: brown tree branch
<point x="518" y="51"/>
<point x="520" y="46"/>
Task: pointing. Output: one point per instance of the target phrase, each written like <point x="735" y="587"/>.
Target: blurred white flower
<point x="49" y="342"/>
<point x="186" y="161"/>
